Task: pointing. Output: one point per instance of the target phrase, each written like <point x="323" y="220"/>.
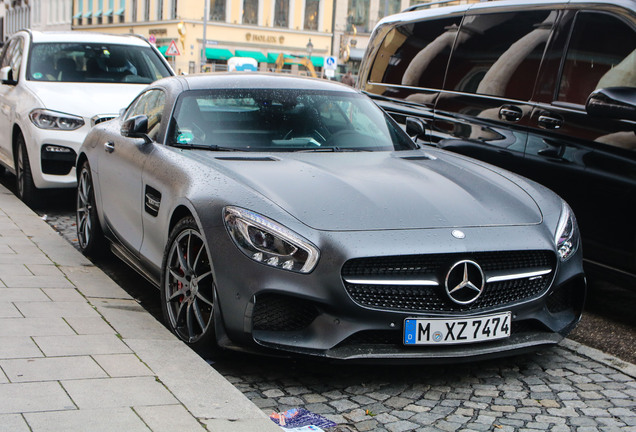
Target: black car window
<point x="283" y="120"/>
<point x="499" y="54"/>
<point x="416" y="54"/>
<point x="593" y="62"/>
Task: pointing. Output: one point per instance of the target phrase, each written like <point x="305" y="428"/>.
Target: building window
<point x="159" y="10"/>
<point x="173" y="9"/>
<point x="388" y="7"/>
<point x="147" y="10"/>
<point x="281" y="13"/>
<point x="250" y="12"/>
<point x="217" y="10"/>
<point x="134" y="11"/>
<point x="358" y="16"/>
<point x="311" y="14"/>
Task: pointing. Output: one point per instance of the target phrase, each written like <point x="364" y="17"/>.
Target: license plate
<point x="448" y="331"/>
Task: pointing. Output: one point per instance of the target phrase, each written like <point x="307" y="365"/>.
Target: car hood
<point x="85" y="99"/>
<point x="383" y="190"/>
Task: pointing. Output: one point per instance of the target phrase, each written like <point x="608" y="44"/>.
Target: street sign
<point x="172" y="49"/>
<point x="331" y="62"/>
<point x="330" y="73"/>
<point x="152" y="39"/>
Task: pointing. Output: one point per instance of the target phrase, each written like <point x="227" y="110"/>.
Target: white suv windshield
<point x="94" y="63"/>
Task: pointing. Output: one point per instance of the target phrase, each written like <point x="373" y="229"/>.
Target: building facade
<point x="261" y="29"/>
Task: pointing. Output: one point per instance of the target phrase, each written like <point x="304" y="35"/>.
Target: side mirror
<point x="136" y="127"/>
<point x="613" y="102"/>
<point x="6" y="76"/>
<point x="415" y="127"/>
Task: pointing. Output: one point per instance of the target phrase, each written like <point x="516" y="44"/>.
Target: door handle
<point x="109" y="147"/>
<point x="510" y="113"/>
<point x="550" y="122"/>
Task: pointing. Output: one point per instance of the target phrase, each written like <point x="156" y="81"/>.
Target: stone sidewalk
<point x="77" y="353"/>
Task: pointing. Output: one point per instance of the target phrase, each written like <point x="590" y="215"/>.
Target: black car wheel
<point x="25" y="186"/>
<point x="89" y="232"/>
<point x="188" y="288"/>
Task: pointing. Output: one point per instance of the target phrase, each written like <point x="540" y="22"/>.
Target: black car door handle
<point x="510" y="113"/>
<point x="109" y="147"/>
<point x="550" y="122"/>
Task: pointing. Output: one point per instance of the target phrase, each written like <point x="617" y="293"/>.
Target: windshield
<point x="283" y="120"/>
<point x="95" y="63"/>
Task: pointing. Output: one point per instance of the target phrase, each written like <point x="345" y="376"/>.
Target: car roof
<point x="89" y="37"/>
<point x="256" y="80"/>
<point x="512" y="5"/>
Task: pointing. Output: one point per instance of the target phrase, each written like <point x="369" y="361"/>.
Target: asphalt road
<point x="608" y="323"/>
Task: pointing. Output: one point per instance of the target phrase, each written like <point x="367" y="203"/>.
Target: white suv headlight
<point x="46" y="119"/>
<point x="268" y="242"/>
<point x="567" y="236"/>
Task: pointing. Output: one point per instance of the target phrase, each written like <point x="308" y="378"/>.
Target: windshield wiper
<point x="204" y="147"/>
<point x="334" y="149"/>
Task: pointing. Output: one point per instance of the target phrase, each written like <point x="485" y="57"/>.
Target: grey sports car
<point x="287" y="215"/>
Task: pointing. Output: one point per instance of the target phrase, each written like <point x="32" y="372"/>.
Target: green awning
<point x="108" y="12"/>
<point x="258" y="56"/>
<point x="98" y="13"/>
<point x="163" y="49"/>
<point x="120" y="12"/>
<point x="218" y="53"/>
<point x="77" y="15"/>
<point x="271" y="57"/>
<point x="88" y="15"/>
<point x="318" y="61"/>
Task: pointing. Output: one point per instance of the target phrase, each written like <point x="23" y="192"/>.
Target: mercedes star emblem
<point x="465" y="282"/>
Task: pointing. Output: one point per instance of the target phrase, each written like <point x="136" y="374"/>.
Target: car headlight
<point x="567" y="236"/>
<point x="268" y="242"/>
<point x="46" y="119"/>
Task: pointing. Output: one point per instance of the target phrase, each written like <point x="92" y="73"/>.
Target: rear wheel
<point x="25" y="186"/>
<point x="89" y="232"/>
<point x="188" y="289"/>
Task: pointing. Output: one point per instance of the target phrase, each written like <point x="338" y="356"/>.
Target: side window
<point x="499" y="54"/>
<point x="416" y="54"/>
<point x="150" y="104"/>
<point x="592" y="63"/>
<point x="13" y="56"/>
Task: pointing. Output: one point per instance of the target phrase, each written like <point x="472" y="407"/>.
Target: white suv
<point x="55" y="87"/>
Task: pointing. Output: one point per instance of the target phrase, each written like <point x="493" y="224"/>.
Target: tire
<point x="25" y="187"/>
<point x="89" y="232"/>
<point x="188" y="290"/>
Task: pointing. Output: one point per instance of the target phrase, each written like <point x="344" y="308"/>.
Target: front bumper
<point x="282" y="312"/>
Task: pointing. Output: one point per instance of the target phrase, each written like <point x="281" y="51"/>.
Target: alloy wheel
<point x="189" y="287"/>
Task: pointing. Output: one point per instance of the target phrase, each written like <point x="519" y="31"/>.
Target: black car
<point x="543" y="88"/>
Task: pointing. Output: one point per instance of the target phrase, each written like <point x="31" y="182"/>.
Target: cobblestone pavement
<point x="557" y="389"/>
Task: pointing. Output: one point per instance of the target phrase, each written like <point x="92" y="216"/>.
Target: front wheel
<point x="25" y="186"/>
<point x="188" y="288"/>
<point x="89" y="232"/>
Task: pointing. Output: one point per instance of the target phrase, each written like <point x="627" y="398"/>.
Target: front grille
<point x="423" y="298"/>
<point x="276" y="312"/>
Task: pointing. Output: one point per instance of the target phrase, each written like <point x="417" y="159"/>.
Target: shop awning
<point x="256" y="55"/>
<point x="108" y="12"/>
<point x="98" y="13"/>
<point x="120" y="11"/>
<point x="318" y="61"/>
<point x="271" y="57"/>
<point x="77" y="15"/>
<point x="218" y="53"/>
<point x="88" y="14"/>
